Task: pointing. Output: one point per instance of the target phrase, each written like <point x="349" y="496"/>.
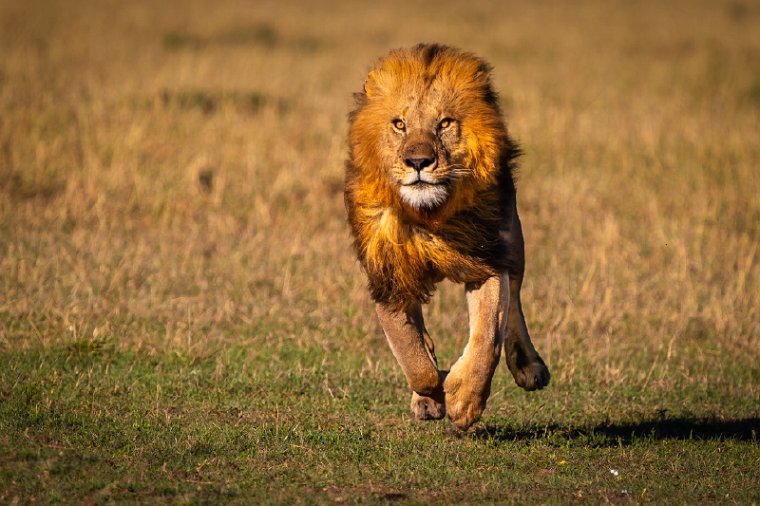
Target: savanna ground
<point x="182" y="318"/>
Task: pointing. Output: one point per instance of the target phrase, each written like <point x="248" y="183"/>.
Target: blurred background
<point x="171" y="173"/>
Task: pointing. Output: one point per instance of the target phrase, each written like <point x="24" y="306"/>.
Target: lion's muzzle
<point x="419" y="157"/>
<point x="422" y="187"/>
<point x="419" y="154"/>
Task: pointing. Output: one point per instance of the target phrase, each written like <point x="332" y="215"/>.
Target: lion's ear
<point x="374" y="85"/>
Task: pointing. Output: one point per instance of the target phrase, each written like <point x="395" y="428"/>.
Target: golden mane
<point x="406" y="251"/>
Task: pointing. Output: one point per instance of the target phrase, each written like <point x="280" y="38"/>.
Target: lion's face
<point x="429" y="126"/>
<point x="427" y="152"/>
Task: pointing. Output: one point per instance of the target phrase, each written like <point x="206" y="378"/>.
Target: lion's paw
<point x="427" y="408"/>
<point x="465" y="403"/>
<point x="533" y="376"/>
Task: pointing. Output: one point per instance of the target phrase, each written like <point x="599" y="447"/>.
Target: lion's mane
<point x="406" y="251"/>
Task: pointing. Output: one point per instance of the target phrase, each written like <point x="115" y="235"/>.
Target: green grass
<point x="93" y="422"/>
<point x="182" y="319"/>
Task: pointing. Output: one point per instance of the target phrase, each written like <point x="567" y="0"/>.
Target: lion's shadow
<point x="611" y="434"/>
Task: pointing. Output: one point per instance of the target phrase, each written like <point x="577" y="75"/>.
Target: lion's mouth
<point x="422" y="180"/>
<point x="422" y="184"/>
<point x="422" y="194"/>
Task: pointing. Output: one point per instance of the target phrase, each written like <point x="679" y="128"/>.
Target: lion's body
<point x="405" y="251"/>
<point x="430" y="195"/>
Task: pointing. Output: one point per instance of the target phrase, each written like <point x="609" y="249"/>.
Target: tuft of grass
<point x="752" y="93"/>
<point x="210" y="102"/>
<point x="179" y="40"/>
<point x="260" y="34"/>
<point x="17" y="185"/>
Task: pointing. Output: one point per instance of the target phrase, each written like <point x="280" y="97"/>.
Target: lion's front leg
<point x="468" y="384"/>
<point x="413" y="349"/>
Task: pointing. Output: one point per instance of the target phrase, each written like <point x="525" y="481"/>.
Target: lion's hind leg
<point x="524" y="362"/>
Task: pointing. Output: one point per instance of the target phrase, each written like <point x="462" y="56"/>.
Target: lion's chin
<point x="424" y="196"/>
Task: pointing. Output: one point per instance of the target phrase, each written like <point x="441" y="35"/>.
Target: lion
<point x="430" y="195"/>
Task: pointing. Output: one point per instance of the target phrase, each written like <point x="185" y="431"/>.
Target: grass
<point x="182" y="319"/>
<point x="87" y="420"/>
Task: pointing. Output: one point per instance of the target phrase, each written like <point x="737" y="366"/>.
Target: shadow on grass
<point x="743" y="429"/>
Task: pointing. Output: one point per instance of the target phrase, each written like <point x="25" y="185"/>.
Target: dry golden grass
<point x="180" y="166"/>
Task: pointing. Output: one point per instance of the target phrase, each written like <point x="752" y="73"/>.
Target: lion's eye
<point x="399" y="124"/>
<point x="445" y="123"/>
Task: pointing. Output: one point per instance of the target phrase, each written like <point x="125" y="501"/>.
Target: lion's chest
<point x="412" y="250"/>
<point x="404" y="260"/>
<point x="402" y="242"/>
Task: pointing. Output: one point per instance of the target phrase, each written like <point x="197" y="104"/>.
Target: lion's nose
<point x="419" y="162"/>
<point x="419" y="154"/>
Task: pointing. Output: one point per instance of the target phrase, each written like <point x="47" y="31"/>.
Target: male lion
<point x="430" y="195"/>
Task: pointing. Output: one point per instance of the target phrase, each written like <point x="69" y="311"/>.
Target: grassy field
<point x="182" y="319"/>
